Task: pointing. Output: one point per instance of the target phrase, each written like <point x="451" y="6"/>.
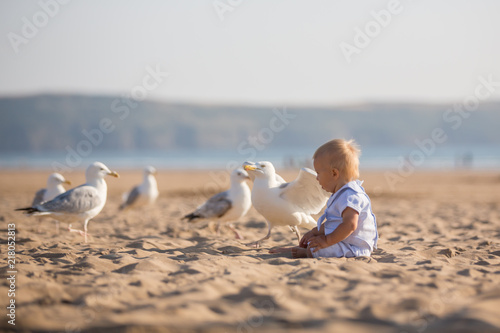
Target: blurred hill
<point x="51" y="122"/>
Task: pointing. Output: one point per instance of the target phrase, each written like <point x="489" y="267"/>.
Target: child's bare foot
<point x="281" y="250"/>
<point x="299" y="252"/>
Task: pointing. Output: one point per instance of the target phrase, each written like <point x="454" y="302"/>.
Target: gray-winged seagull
<point x="54" y="188"/>
<point x="144" y="194"/>
<point x="229" y="205"/>
<point x="81" y="203"/>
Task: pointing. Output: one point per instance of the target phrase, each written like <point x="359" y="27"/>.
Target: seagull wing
<point x="305" y="192"/>
<point x="216" y="206"/>
<point x="131" y="197"/>
<point x="75" y="201"/>
<point x="38" y="199"/>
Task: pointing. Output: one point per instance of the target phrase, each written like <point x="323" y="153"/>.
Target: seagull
<point x="54" y="188"/>
<point x="229" y="205"/>
<point x="144" y="194"/>
<point x="279" y="179"/>
<point x="285" y="203"/>
<point x="81" y="203"/>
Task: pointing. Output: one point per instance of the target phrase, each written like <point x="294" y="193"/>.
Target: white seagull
<point x="285" y="203"/>
<point x="54" y="188"/>
<point x="81" y="203"/>
<point x="229" y="205"/>
<point x="144" y="194"/>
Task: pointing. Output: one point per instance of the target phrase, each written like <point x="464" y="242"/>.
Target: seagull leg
<point x="85" y="230"/>
<point x="236" y="232"/>
<point x="297" y="231"/>
<point x="57" y="227"/>
<point x="82" y="233"/>
<point x="70" y="229"/>
<point x="257" y="243"/>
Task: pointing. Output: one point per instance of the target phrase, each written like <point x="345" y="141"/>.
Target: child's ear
<point x="335" y="173"/>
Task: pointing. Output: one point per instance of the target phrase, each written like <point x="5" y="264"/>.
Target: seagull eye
<point x="262" y="165"/>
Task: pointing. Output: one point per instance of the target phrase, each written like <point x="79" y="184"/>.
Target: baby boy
<point x="348" y="227"/>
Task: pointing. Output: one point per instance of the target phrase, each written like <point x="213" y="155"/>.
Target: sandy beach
<point x="437" y="268"/>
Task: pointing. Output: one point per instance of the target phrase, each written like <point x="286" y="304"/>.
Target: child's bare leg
<point x="296" y="251"/>
<point x="281" y="250"/>
<point x="299" y="252"/>
<point x="309" y="252"/>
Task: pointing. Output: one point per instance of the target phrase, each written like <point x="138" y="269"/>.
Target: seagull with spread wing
<point x="229" y="205"/>
<point x="54" y="188"/>
<point x="81" y="203"/>
<point x="281" y="204"/>
<point x="143" y="194"/>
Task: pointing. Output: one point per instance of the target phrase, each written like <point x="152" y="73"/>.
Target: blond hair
<point x="341" y="155"/>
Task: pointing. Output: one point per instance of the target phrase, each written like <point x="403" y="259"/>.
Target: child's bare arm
<point x="347" y="227"/>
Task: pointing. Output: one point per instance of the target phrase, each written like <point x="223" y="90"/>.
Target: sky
<point x="258" y="52"/>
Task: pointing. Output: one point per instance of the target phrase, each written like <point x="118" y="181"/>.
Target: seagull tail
<point x="310" y="222"/>
<point x="28" y="210"/>
<point x="191" y="217"/>
<point x="305" y="220"/>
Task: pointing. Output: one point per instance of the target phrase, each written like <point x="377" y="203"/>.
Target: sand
<point x="437" y="268"/>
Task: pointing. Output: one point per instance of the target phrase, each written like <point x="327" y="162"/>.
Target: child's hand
<point x="307" y="236"/>
<point x="318" y="242"/>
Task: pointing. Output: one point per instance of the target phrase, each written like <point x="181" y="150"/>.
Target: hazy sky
<point x="256" y="51"/>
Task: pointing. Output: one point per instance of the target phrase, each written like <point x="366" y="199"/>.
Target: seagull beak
<point x="114" y="174"/>
<point x="248" y="167"/>
<point x="67" y="182"/>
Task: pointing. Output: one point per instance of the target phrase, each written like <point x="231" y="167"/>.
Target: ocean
<point x="372" y="158"/>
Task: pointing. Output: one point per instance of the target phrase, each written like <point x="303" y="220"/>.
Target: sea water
<point x="372" y="158"/>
